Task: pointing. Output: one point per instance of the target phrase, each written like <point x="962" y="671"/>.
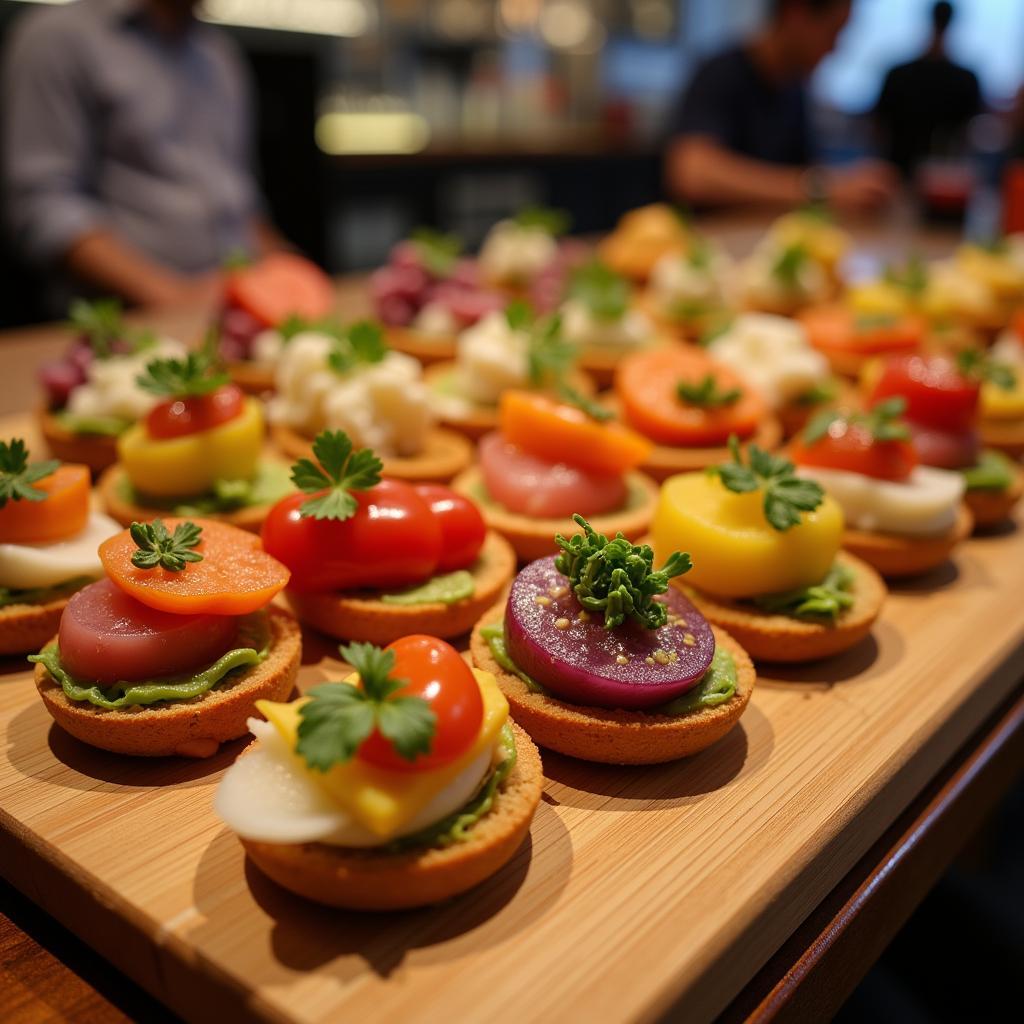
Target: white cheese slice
<point x="28" y="566"/>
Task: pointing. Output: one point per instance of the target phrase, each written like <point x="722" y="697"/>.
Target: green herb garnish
<point x="157" y="546"/>
<point x="977" y="366"/>
<point x="604" y="293"/>
<point x="339" y="717"/>
<point x="361" y="344"/>
<point x="617" y="577"/>
<point x="706" y="393"/>
<point x="825" y="600"/>
<point x="548" y="355"/>
<point x="296" y="324"/>
<point x="17" y="474"/>
<point x="882" y="421"/>
<point x="584" y="403"/>
<point x="818" y="394"/>
<point x="99" y="323"/>
<point x="912" y="277"/>
<point x="554" y="222"/>
<point x="786" y="268"/>
<point x="785" y="494"/>
<point x="196" y="374"/>
<point x="340" y="471"/>
<point x="437" y="251"/>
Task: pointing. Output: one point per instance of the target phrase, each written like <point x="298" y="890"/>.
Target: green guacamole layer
<point x="992" y="472"/>
<point x="96" y="426"/>
<point x="42" y="595"/>
<point x="448" y="588"/>
<point x="271" y="483"/>
<point x="252" y="632"/>
<point x="717" y="685"/>
<point x="825" y="600"/>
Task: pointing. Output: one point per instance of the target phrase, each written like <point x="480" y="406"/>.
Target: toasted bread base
<point x="534" y="538"/>
<point x="610" y="736"/>
<point x="444" y="454"/>
<point x="371" y="880"/>
<point x="184" y="728"/>
<point x="127" y="512"/>
<point x="477" y="420"/>
<point x="350" y="616"/>
<point x="1006" y="436"/>
<point x="25" y="628"/>
<point x="895" y="556"/>
<point x="599" y="361"/>
<point x="781" y="638"/>
<point x="97" y="451"/>
<point x="427" y="348"/>
<point x="992" y="507"/>
<point x="252" y="378"/>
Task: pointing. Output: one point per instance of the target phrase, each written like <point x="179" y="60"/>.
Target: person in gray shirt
<point x="127" y="163"/>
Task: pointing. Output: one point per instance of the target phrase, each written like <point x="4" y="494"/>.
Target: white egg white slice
<point x="28" y="566"/>
<point x="923" y="505"/>
<point x="269" y="796"/>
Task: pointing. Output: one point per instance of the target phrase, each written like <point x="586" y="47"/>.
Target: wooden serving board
<point x="640" y="890"/>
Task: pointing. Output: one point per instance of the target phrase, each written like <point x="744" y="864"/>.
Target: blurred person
<point x="127" y="163"/>
<point x="925" y="105"/>
<point x="741" y="133"/>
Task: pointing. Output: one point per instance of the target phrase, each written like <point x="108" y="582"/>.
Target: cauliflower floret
<point x="581" y="327"/>
<point x="492" y="357"/>
<point x="515" y="253"/>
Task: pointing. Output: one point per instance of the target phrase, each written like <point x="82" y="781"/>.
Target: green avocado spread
<point x="992" y="472"/>
<point x="271" y="483"/>
<point x="97" y="426"/>
<point x="716" y="686"/>
<point x="42" y="595"/>
<point x="445" y="589"/>
<point x="455" y="828"/>
<point x="825" y="600"/>
<point x="252" y="629"/>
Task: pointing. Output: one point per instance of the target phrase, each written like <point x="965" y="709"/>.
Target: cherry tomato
<point x="851" y="447"/>
<point x="437" y="673"/>
<point x="938" y="395"/>
<point x="177" y="417"/>
<point x="462" y="527"/>
<point x="393" y="540"/>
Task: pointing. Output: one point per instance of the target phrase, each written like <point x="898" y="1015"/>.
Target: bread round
<point x="25" y="628"/>
<point x="665" y="461"/>
<point x="780" y="638"/>
<point x="252" y="378"/>
<point x="476" y="420"/>
<point x="97" y="451"/>
<point x="1006" y="436"/>
<point x="184" y="728"/>
<point x="445" y="453"/>
<point x="897" y="556"/>
<point x="110" y="489"/>
<point x="357" y="616"/>
<point x="372" y="880"/>
<point x="611" y="736"/>
<point x="427" y="348"/>
<point x="534" y="538"/>
<point x="992" y="507"/>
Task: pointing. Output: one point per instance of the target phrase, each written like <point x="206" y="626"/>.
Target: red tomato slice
<point x="541" y="489"/>
<point x="837" y="329"/>
<point x="193" y="414"/>
<point x="281" y="285"/>
<point x="108" y="637"/>
<point x="393" y="540"/>
<point x="436" y="672"/>
<point x="462" y="527"/>
<point x="937" y="394"/>
<point x="851" y="447"/>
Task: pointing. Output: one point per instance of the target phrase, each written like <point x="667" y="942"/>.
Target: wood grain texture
<point x="641" y="890"/>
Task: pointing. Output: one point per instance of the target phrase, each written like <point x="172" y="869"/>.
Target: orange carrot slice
<point x="646" y="384"/>
<point x="62" y="513"/>
<point x="235" y="577"/>
<point x="562" y="433"/>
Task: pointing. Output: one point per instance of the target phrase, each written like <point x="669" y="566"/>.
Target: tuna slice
<point x="584" y="663"/>
<point x="108" y="637"/>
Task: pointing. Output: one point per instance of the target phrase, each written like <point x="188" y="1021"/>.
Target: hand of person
<point x="193" y="290"/>
<point x="862" y="187"/>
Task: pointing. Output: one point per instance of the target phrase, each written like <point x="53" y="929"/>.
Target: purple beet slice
<point x="581" y="662"/>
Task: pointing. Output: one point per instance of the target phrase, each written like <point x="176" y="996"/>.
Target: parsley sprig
<point x="157" y="546"/>
<point x="616" y="577"/>
<point x="977" y="366"/>
<point x="785" y="494"/>
<point x="549" y="356"/>
<point x="338" y="471"/>
<point x="99" y="322"/>
<point x="706" y="393"/>
<point x="786" y="268"/>
<point x="600" y="290"/>
<point x="17" y="474"/>
<point x="883" y="421"/>
<point x="554" y="222"/>
<point x="361" y="344"/>
<point x="437" y="251"/>
<point x="337" y="719"/>
<point x="197" y="374"/>
<point x="295" y="324"/>
<point x="584" y="403"/>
